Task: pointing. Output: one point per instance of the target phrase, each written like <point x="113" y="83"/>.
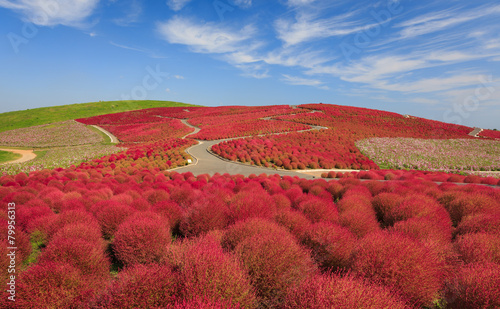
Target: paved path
<point x="26" y="155"/>
<point x="113" y="138"/>
<point x="205" y="162"/>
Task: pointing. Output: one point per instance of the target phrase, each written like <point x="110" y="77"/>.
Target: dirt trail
<point x="26" y="155"/>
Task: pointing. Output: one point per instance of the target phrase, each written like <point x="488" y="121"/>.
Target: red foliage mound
<point x="483" y="222"/>
<point x="478" y="247"/>
<point x="142" y="239"/>
<point x="206" y="271"/>
<point x="384" y="204"/>
<point x="317" y="209"/>
<point x="331" y="244"/>
<point x="209" y="212"/>
<point x="110" y="215"/>
<point x="53" y="285"/>
<point x="296" y="222"/>
<point x="251" y="204"/>
<point x="347" y="292"/>
<point x="461" y="204"/>
<point x="89" y="258"/>
<point x="275" y="263"/>
<point x="248" y="229"/>
<point x="474" y="286"/>
<point x="401" y="263"/>
<point x="141" y="286"/>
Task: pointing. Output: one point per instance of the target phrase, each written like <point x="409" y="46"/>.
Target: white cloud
<point x="133" y="12"/>
<point x="242" y="3"/>
<point x="432" y="84"/>
<point x="299" y="81"/>
<point x="442" y="20"/>
<point x="204" y="38"/>
<point x="178" y="77"/>
<point x="308" y="27"/>
<point x="55" y="12"/>
<point x="177" y="5"/>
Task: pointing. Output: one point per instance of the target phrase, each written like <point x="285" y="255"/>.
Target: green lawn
<point x="44" y="115"/>
<point x="8" y="156"/>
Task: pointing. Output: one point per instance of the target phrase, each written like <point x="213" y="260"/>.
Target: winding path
<point x="26" y="155"/>
<point x="206" y="162"/>
<point x="113" y="138"/>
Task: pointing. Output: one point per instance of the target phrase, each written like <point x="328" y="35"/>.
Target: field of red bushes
<point x="163" y="239"/>
<point x="123" y="231"/>
<point x="334" y="147"/>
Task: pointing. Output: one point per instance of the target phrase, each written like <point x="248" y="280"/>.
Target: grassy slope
<point x="38" y="116"/>
<point x="8" y="156"/>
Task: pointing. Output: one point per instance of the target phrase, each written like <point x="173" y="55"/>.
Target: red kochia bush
<point x="317" y="209"/>
<point x="248" y="229"/>
<point x="110" y="215"/>
<point x="331" y="244"/>
<point x="206" y="271"/>
<point x="383" y="204"/>
<point x="275" y="263"/>
<point x="295" y="221"/>
<point x="475" y="286"/>
<point x="141" y="286"/>
<point x="205" y="214"/>
<point x="250" y="204"/>
<point x="402" y="263"/>
<point x="53" y="285"/>
<point x="483" y="222"/>
<point x="468" y="204"/>
<point x="478" y="247"/>
<point x="88" y="257"/>
<point x="347" y="292"/>
<point x="142" y="239"/>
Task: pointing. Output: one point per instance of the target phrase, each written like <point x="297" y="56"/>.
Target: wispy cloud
<point x="204" y="37"/>
<point x="445" y="19"/>
<point x="150" y="53"/>
<point x="133" y="13"/>
<point x="51" y="13"/>
<point x="177" y="5"/>
<point x="299" y="81"/>
<point x="306" y="27"/>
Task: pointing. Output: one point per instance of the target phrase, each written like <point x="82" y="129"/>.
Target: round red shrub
<point x="249" y="228"/>
<point x="251" y="204"/>
<point x="468" y="204"/>
<point x="425" y="229"/>
<point x="88" y="257"/>
<point x="205" y="270"/>
<point x="275" y="263"/>
<point x="53" y="285"/>
<point x="141" y="286"/>
<point x="402" y="263"/>
<point x="331" y="244"/>
<point x="110" y="215"/>
<point x="482" y="222"/>
<point x="204" y="215"/>
<point x="383" y="204"/>
<point x="142" y="239"/>
<point x="296" y="222"/>
<point x="341" y="292"/>
<point x="317" y="209"/>
<point x="360" y="222"/>
<point x="474" y="286"/>
<point x="478" y="247"/>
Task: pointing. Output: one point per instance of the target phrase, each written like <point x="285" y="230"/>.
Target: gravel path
<point x="26" y="155"/>
<point x="113" y="138"/>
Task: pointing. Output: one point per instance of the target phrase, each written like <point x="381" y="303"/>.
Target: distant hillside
<point x="44" y="115"/>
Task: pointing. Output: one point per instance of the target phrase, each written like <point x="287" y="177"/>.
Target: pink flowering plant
<point x="453" y="155"/>
<point x="66" y="133"/>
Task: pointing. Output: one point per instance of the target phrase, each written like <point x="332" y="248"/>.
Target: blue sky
<point x="434" y="59"/>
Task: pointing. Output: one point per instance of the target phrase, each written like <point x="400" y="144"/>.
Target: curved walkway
<point x="26" y="155"/>
<point x="113" y="138"/>
<point x="206" y="162"/>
